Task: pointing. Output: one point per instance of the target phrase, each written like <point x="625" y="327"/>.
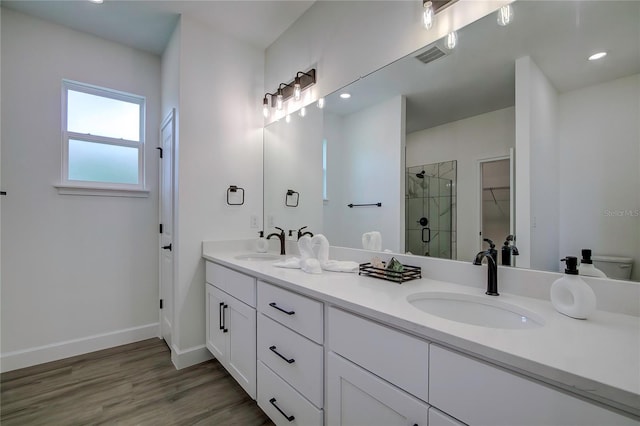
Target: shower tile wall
<point x="431" y="194"/>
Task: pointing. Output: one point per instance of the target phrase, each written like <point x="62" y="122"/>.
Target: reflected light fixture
<point x="428" y="14"/>
<point x="321" y="103"/>
<point x="452" y="40"/>
<point x="96" y="1"/>
<point x="288" y="118"/>
<point x="345" y="95"/>
<point x="303" y="112"/>
<point x="505" y="15"/>
<point x="597" y="56"/>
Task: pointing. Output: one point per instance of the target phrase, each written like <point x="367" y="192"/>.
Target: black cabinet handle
<point x="273" y="402"/>
<point x="273" y="305"/>
<point x="221" y="315"/>
<point x="167" y="247"/>
<point x="224" y="320"/>
<point x="273" y="349"/>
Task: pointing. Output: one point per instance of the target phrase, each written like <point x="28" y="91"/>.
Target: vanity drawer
<point x="297" y="312"/>
<point x="303" y="366"/>
<point x="392" y="355"/>
<point x="274" y="392"/>
<point x="239" y="285"/>
<point x="478" y="393"/>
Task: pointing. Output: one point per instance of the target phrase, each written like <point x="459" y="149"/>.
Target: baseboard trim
<point x="188" y="357"/>
<point x="60" y="350"/>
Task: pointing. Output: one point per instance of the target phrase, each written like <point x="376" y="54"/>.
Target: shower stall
<point x="430" y="210"/>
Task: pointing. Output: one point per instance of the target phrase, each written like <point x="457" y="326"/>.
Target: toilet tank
<point x="615" y="267"/>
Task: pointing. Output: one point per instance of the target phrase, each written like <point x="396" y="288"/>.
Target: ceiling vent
<point x="431" y="55"/>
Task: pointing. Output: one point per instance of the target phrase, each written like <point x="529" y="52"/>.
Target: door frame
<point x="479" y="200"/>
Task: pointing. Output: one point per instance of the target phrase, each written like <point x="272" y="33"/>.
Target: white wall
<point x="371" y="165"/>
<point x="293" y="160"/>
<point x="599" y="170"/>
<point x="79" y="273"/>
<point x="220" y="144"/>
<point x="346" y="40"/>
<point x="467" y="141"/>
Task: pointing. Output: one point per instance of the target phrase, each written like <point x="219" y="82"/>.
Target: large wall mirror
<point x="512" y="132"/>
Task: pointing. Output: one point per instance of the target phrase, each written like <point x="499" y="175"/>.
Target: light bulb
<point x="597" y="56"/>
<point x="279" y="100"/>
<point x="321" y="103"/>
<point x="505" y="15"/>
<point x="287" y="118"/>
<point x="427" y="16"/>
<point x="297" y="90"/>
<point x="265" y="107"/>
<point x="452" y="40"/>
<point x="303" y="111"/>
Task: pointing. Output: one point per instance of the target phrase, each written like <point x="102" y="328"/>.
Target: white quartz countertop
<point x="598" y="357"/>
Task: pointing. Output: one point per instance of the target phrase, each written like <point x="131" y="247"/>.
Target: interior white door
<point x="167" y="136"/>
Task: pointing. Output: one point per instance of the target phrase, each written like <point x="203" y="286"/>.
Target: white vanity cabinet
<point x="375" y="375"/>
<point x="290" y="356"/>
<point x="231" y="323"/>
<point x="481" y="394"/>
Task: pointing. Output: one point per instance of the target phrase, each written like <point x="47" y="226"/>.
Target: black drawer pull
<point x="273" y="402"/>
<point x="224" y="323"/>
<point x="220" y="315"/>
<point x="273" y="349"/>
<point x="273" y="305"/>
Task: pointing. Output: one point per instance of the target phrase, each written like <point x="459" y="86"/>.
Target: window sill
<point x="64" y="189"/>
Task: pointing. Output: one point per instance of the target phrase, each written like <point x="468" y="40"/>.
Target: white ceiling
<point x="148" y="24"/>
<point x="478" y="76"/>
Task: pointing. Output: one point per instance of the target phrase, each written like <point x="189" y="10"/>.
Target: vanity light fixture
<point x="597" y="56"/>
<point x="321" y="103"/>
<point x="452" y="40"/>
<point x="266" y="105"/>
<point x="505" y="15"/>
<point x="294" y="89"/>
<point x="428" y="14"/>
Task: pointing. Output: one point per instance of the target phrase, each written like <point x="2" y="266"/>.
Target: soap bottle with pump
<point x="570" y="295"/>
<point x="586" y="266"/>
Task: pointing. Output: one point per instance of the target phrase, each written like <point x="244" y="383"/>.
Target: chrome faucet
<point x="282" y="239"/>
<point x="491" y="254"/>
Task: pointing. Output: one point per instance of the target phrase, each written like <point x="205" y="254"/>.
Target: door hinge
<point x="160" y="303"/>
<point x="160" y="228"/>
<point x="160" y="149"/>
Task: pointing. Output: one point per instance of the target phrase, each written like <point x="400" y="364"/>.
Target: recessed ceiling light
<point x="597" y="56"/>
<point x="345" y="95"/>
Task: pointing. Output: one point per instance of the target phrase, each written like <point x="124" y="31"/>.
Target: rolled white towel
<point x="372" y="241"/>
<point x="291" y="263"/>
<point x="323" y="250"/>
<point x="340" y="266"/>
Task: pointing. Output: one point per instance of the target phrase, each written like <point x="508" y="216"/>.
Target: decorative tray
<point x="407" y="274"/>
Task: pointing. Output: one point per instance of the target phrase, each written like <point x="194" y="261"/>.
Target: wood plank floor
<point x="134" y="384"/>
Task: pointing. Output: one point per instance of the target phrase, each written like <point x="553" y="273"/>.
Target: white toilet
<point x="615" y="267"/>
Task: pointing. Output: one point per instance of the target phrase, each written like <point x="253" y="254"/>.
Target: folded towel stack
<point x="314" y="257"/>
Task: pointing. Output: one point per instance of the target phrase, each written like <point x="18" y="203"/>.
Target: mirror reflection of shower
<point x="430" y="213"/>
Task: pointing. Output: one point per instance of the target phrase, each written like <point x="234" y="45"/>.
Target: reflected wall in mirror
<point x="527" y="87"/>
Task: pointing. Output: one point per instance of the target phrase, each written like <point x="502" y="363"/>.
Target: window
<point x="103" y="139"/>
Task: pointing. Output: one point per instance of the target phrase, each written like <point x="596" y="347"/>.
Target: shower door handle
<point x="428" y="235"/>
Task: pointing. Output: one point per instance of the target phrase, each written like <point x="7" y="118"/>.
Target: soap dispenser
<point x="570" y="295"/>
<point x="586" y="266"/>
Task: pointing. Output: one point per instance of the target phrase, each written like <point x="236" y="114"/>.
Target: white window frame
<point x="75" y="187"/>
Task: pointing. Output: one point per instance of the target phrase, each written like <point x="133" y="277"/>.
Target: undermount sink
<point x="257" y="256"/>
<point x="484" y="311"/>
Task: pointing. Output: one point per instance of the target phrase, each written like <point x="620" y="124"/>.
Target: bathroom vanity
<point x="335" y="348"/>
